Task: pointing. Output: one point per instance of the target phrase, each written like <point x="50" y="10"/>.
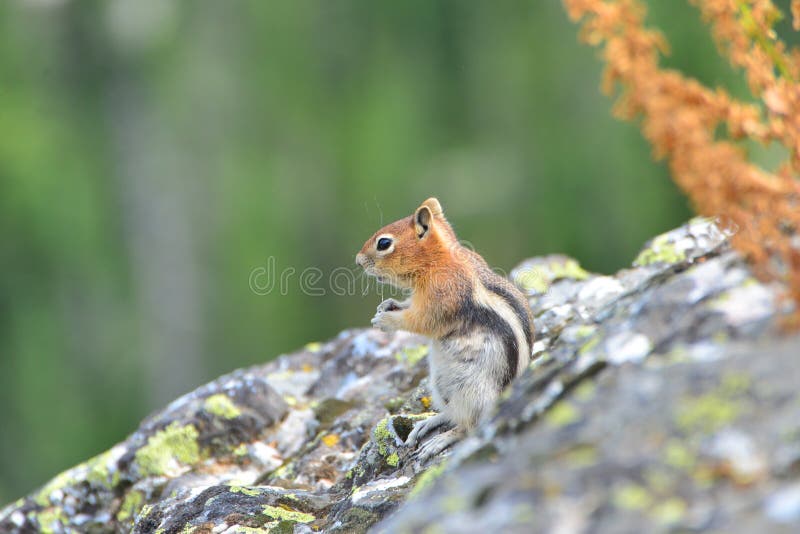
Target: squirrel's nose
<point x="360" y="258"/>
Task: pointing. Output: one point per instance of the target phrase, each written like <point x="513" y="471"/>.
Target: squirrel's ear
<point x="433" y="205"/>
<point x="423" y="218"/>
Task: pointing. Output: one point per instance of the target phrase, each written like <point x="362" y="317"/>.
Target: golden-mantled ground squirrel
<point x="480" y="324"/>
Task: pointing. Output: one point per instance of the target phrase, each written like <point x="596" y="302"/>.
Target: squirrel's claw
<point x="438" y="443"/>
<point x="390" y="305"/>
<point x="422" y="428"/>
<point x="387" y="321"/>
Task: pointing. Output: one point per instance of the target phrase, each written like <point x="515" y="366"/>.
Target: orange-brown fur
<point x="434" y="269"/>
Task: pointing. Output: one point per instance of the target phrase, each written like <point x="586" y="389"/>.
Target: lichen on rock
<point x="661" y="400"/>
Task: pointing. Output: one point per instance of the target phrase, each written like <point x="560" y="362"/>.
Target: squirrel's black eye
<point x="384" y="243"/>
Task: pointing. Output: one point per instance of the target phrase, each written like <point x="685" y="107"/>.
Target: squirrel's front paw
<point x="388" y="321"/>
<point x="389" y="305"/>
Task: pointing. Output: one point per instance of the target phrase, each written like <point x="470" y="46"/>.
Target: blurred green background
<point x="154" y="153"/>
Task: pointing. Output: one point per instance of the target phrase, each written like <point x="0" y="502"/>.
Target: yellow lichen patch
<point x="130" y="507"/>
<point x="581" y="455"/>
<point x="314" y="346"/>
<point x="51" y="520"/>
<point x="287" y="514"/>
<point x="382" y="436"/>
<point x="393" y="459"/>
<point x="426" y="402"/>
<point x="330" y="439"/>
<point x="568" y="269"/>
<point x="307" y="368"/>
<point x="677" y="455"/>
<point x="412" y="355"/>
<point x="632" y="497"/>
<point x="427" y="478"/>
<point x="660" y="251"/>
<point x="707" y="414"/>
<point x="563" y="413"/>
<point x="532" y="280"/>
<point x="245" y="491"/>
<point x="585" y="391"/>
<point x="286" y="471"/>
<point x="169" y="450"/>
<point x="222" y="406"/>
<point x="670" y="511"/>
<point x="659" y="480"/>
<point x="60" y="481"/>
<point x="710" y="412"/>
<point x="99" y="472"/>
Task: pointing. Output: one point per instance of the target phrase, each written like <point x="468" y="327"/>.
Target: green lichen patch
<point x="222" y="406"/>
<point x="670" y="511"/>
<point x="632" y="497"/>
<point x="581" y="455"/>
<point x="382" y="436"/>
<point x="61" y="481"/>
<point x="285" y="514"/>
<point x="314" y="346"/>
<point x="412" y="355"/>
<point x="706" y="414"/>
<point x="562" y="414"/>
<point x="131" y="506"/>
<point x="145" y="511"/>
<point x="585" y="391"/>
<point x="251" y="492"/>
<point x="241" y="529"/>
<point x="661" y="250"/>
<point x="585" y="330"/>
<point x="329" y="409"/>
<point x="169" y="450"/>
<point x="99" y="472"/>
<point x="427" y="478"/>
<point x="537" y="278"/>
<point x="51" y="520"/>
<point x="710" y="412"/>
<point x="393" y="459"/>
<point x="568" y="269"/>
<point x="589" y="345"/>
<point x="285" y="472"/>
<point x="533" y="280"/>
<point x="677" y="455"/>
<point x="394" y="404"/>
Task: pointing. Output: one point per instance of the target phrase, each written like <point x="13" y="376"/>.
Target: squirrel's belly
<point x="466" y="375"/>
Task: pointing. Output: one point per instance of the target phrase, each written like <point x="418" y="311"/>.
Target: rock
<point x="661" y="399"/>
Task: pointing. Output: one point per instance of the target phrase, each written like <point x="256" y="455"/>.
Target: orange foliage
<point x="681" y="118"/>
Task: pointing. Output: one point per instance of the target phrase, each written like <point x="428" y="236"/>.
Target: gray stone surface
<point x="662" y="399"/>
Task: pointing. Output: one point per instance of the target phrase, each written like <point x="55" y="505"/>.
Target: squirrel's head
<point x="401" y="252"/>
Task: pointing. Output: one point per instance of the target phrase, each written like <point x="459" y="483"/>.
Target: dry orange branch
<point x="680" y="117"/>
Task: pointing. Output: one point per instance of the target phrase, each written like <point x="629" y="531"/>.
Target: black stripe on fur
<point x="516" y="305"/>
<point x="476" y="318"/>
